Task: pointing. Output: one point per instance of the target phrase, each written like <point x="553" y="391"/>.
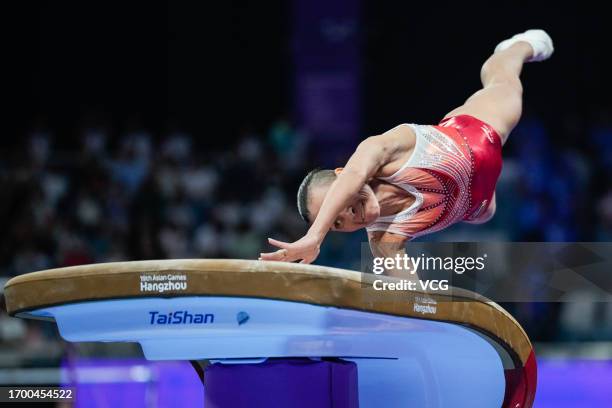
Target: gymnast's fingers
<point x="270" y="256"/>
<point x="280" y="255"/>
<point x="279" y="244"/>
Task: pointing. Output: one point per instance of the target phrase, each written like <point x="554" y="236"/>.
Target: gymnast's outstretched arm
<point x="371" y="156"/>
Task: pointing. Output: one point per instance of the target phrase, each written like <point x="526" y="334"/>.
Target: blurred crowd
<point x="141" y="198"/>
<point x="145" y="196"/>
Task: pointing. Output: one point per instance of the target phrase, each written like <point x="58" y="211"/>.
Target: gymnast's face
<point x="362" y="209"/>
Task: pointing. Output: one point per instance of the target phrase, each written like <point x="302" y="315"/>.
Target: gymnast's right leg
<point x="499" y="102"/>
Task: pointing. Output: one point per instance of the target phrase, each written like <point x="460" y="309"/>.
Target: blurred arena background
<point x="182" y="131"/>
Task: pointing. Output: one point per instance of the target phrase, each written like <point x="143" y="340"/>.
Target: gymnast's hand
<point x="306" y="249"/>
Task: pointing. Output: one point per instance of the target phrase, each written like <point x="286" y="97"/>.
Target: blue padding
<point x="402" y="361"/>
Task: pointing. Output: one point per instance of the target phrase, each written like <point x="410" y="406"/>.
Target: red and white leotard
<point x="451" y="174"/>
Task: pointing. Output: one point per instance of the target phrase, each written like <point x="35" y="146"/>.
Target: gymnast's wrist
<point x="317" y="234"/>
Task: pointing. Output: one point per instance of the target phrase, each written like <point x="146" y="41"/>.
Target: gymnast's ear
<point x="338" y="170"/>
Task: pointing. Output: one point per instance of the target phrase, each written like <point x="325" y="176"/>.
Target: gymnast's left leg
<point x="499" y="102"/>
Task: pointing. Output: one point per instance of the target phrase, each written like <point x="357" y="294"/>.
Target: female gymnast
<point x="417" y="179"/>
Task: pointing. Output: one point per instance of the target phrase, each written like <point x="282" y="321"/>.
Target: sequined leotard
<point x="451" y="174"/>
